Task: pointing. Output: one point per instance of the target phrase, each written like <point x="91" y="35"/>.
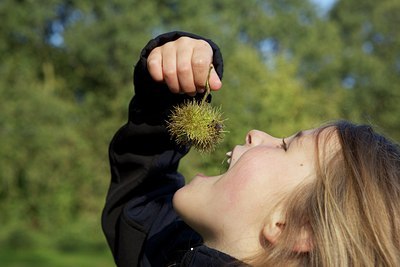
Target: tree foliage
<point x="370" y="66"/>
<point x="66" y="82"/>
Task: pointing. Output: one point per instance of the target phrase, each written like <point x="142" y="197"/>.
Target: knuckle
<point x="203" y="44"/>
<point x="184" y="69"/>
<point x="152" y="63"/>
<point x="155" y="51"/>
<point x="205" y="47"/>
<point x="169" y="73"/>
<point x="200" y="62"/>
<point x="184" y="39"/>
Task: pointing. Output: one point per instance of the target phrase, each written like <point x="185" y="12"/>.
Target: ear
<point x="303" y="239"/>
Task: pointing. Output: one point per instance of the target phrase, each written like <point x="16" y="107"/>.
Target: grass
<point x="71" y="246"/>
<point x="40" y="257"/>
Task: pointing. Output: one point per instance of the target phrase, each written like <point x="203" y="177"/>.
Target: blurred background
<point x="65" y="84"/>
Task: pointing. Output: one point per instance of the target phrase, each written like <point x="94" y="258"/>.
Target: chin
<point x="183" y="206"/>
<point x="177" y="201"/>
<point x="183" y="198"/>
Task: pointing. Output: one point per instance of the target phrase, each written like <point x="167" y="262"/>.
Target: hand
<point x="183" y="65"/>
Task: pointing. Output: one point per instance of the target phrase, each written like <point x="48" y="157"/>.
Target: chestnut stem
<point x="207" y="86"/>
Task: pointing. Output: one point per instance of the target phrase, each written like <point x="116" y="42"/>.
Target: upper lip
<point x="231" y="154"/>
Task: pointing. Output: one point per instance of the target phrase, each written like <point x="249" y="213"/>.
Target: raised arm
<point x="143" y="158"/>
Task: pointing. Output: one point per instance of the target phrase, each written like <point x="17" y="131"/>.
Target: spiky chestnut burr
<point x="198" y="124"/>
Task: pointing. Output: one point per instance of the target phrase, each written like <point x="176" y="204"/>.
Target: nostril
<point x="255" y="137"/>
<point x="248" y="139"/>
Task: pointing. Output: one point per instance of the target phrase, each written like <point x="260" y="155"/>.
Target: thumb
<point x="214" y="81"/>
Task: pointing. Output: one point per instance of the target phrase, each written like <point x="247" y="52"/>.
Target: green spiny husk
<point x="196" y="124"/>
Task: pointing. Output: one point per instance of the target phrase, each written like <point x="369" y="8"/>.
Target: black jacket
<point x="141" y="227"/>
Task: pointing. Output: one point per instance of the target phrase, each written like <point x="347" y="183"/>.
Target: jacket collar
<point x="207" y="257"/>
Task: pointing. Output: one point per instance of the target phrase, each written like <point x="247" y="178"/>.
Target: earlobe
<point x="303" y="240"/>
<point x="272" y="231"/>
<point x="274" y="227"/>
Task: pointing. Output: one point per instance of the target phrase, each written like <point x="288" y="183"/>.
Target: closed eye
<point x="284" y="145"/>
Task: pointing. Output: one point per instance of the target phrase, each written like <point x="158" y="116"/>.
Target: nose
<point x="256" y="137"/>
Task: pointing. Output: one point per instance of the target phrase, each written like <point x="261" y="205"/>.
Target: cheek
<point x="237" y="181"/>
<point x="247" y="180"/>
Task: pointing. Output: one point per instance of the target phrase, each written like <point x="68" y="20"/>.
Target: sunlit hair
<point x="352" y="207"/>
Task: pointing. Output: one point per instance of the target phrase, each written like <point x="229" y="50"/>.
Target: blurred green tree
<point x="66" y="82"/>
<point x="370" y="61"/>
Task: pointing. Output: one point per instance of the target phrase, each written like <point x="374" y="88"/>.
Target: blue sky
<point x="324" y="4"/>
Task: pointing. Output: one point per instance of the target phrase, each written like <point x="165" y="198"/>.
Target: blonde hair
<point x="352" y="207"/>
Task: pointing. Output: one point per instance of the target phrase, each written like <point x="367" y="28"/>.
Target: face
<point x="260" y="173"/>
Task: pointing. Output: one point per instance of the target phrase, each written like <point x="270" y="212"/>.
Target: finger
<point x="214" y="81"/>
<point x="169" y="67"/>
<point x="154" y="64"/>
<point x="184" y="71"/>
<point x="201" y="60"/>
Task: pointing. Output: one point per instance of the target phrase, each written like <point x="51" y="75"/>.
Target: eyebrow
<point x="296" y="136"/>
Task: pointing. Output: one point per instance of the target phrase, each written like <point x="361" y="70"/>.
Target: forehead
<point x="325" y="140"/>
<point x="321" y="134"/>
<point x="301" y="136"/>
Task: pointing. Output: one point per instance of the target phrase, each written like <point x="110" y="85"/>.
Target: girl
<point x="322" y="197"/>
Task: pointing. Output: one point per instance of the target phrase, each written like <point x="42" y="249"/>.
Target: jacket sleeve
<point x="138" y="217"/>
